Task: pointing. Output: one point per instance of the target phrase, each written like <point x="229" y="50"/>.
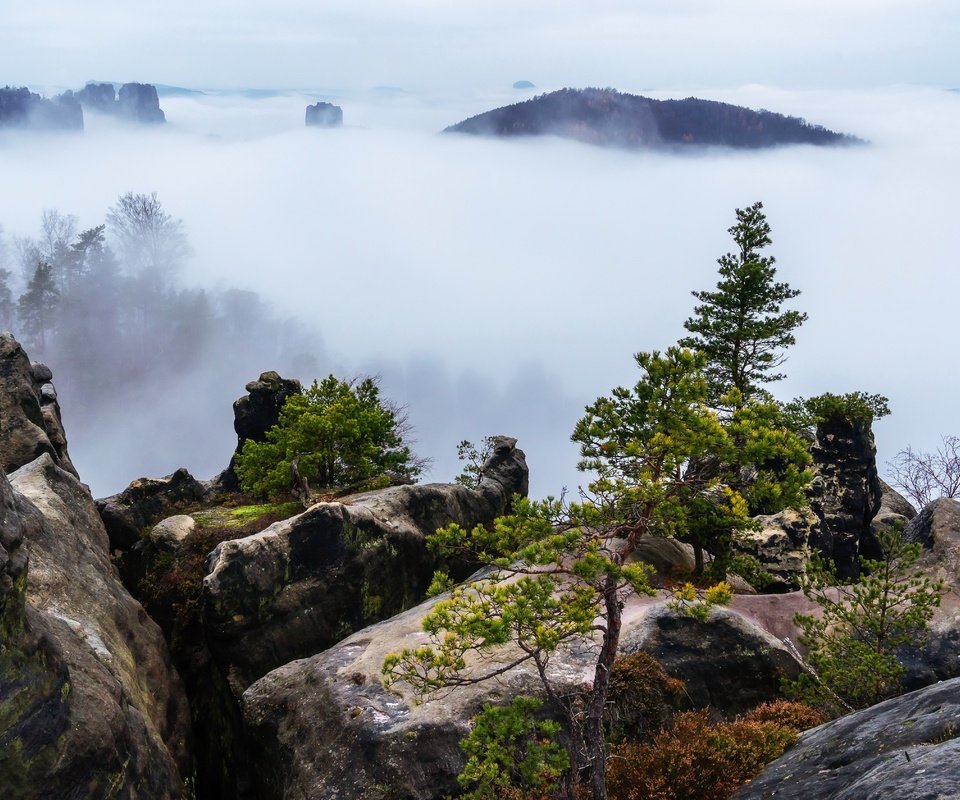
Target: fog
<point x="499" y="286"/>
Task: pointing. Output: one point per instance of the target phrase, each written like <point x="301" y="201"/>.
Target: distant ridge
<point x="609" y="117"/>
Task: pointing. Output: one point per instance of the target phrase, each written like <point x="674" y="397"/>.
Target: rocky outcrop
<point x="137" y="102"/>
<point x="30" y="422"/>
<point x="253" y="415"/>
<point x="906" y="748"/>
<point x="324" y="115"/>
<point x="782" y="546"/>
<point x="91" y="706"/>
<point x="304" y="583"/>
<point x="127" y="515"/>
<point x="21" y="108"/>
<point x="846" y="493"/>
<point x="326" y="727"/>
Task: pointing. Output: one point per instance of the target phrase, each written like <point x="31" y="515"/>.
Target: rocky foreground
<point x="256" y="672"/>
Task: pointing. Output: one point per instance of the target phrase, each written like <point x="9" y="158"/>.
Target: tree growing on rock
<point x="336" y="434"/>
<point x="854" y="641"/>
<point x="37" y="305"/>
<point x="740" y="327"/>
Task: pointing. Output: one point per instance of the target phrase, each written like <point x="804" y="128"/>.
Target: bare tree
<point x="148" y="238"/>
<point x="928" y="476"/>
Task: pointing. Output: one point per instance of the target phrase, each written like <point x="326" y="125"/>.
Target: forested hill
<point x="608" y="117"/>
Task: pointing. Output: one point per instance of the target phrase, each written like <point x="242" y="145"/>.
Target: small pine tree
<point x="853" y="643"/>
<point x="6" y="300"/>
<point x="740" y="327"/>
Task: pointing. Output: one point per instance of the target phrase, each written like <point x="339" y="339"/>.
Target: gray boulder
<point x="303" y="584"/>
<point x="143" y="503"/>
<point x="905" y="748"/>
<point x="326" y="727"/>
<point x="782" y="546"/>
<point x="324" y="115"/>
<point x="30" y="422"/>
<point x="91" y="705"/>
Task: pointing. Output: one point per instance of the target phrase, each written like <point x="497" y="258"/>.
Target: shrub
<point x="642" y="697"/>
<point x="855" y="408"/>
<point x="789" y="714"/>
<point x="512" y="753"/>
<point x="695" y="760"/>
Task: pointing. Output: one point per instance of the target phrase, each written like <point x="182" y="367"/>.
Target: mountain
<point x="609" y="117"/>
<point x="21" y="108"/>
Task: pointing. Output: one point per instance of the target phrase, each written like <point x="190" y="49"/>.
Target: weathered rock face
<point x="90" y="704"/>
<point x="304" y="583"/>
<point x="254" y="414"/>
<point x="145" y="502"/>
<point x="137" y="102"/>
<point x="324" y="115"/>
<point x="30" y="421"/>
<point x="845" y="493"/>
<point x="783" y="545"/>
<point x="906" y="748"/>
<point x="21" y="108"/>
<point x="326" y="727"/>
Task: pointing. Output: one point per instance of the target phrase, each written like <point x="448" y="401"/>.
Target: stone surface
<point x="30" y="421"/>
<point x="145" y="502"/>
<point x="139" y="102"/>
<point x="845" y="493"/>
<point x="304" y="583"/>
<point x="783" y="545"/>
<point x="326" y="727"/>
<point x="904" y="748"/>
<point x="324" y="115"/>
<point x="91" y="706"/>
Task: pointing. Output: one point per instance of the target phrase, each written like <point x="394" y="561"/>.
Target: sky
<point x="498" y="287"/>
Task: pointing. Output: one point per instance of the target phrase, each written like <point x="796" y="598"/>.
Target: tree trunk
<point x="593" y="739"/>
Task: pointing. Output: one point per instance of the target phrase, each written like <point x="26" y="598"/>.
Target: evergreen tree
<point x="740" y="327"/>
<point x="6" y="300"/>
<point x="37" y="305"/>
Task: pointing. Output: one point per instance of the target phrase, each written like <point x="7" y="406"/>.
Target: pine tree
<point x="740" y="327"/>
<point x="37" y="304"/>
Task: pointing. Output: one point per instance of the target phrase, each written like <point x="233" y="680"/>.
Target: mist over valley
<point x="495" y="286"/>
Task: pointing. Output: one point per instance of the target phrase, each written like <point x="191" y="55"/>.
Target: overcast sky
<point x="428" y="45"/>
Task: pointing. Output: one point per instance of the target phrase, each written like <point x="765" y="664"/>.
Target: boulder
<point x="324" y="115"/>
<point x="253" y="415"/>
<point x="304" y="583"/>
<point x="906" y="748"/>
<point x="845" y="493"/>
<point x="326" y="727"/>
<point x="145" y="502"/>
<point x="30" y="422"/>
<point x="91" y="706"/>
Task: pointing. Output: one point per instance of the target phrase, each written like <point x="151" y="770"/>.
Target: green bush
<point x="339" y="433"/>
<point x="695" y="760"/>
<point x="512" y="753"/>
<point x="855" y="408"/>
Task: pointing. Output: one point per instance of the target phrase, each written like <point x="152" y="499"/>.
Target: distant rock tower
<point x="324" y="115"/>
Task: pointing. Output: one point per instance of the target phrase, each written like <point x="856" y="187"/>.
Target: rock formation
<point x="303" y="584"/>
<point x="846" y="492"/>
<point x="21" y="108"/>
<point x="30" y="423"/>
<point x="324" y="115"/>
<point x="127" y="515"/>
<point x="907" y="748"/>
<point x="137" y="102"/>
<point x="254" y="414"/>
